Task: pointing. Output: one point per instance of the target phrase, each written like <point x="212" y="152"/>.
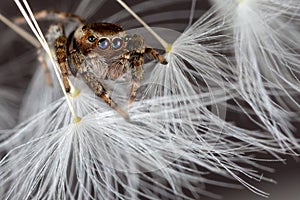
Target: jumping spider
<point x="99" y="51"/>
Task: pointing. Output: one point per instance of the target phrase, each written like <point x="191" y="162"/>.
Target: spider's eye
<point x="117" y="43"/>
<point x="103" y="43"/>
<point x="91" y="38"/>
<point x="126" y="38"/>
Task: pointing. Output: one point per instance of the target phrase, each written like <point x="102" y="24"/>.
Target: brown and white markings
<point x="80" y="53"/>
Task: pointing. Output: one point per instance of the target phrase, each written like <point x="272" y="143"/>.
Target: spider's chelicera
<point x="88" y="45"/>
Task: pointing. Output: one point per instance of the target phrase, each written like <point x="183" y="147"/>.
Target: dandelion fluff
<point x="54" y="115"/>
<point x="39" y="94"/>
<point x="264" y="61"/>
<point x="101" y="154"/>
<point x="9" y="100"/>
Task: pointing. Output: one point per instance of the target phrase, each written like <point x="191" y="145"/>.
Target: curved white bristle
<point x="103" y="149"/>
<point x="266" y="61"/>
<point x="39" y="92"/>
<point x="9" y="99"/>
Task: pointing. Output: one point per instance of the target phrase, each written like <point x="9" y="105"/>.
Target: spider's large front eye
<point x="117" y="43"/>
<point x="91" y="38"/>
<point x="103" y="43"/>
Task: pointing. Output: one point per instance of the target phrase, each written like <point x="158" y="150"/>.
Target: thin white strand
<point x="38" y="33"/>
<point x="20" y="31"/>
<point x="142" y="7"/>
<point x="162" y="41"/>
<point x="163" y="18"/>
<point x="193" y="7"/>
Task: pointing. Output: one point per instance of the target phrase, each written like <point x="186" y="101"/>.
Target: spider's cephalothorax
<point x="100" y="51"/>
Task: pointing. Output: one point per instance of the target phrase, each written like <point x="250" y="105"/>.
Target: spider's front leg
<point x="93" y="81"/>
<point x="137" y="62"/>
<point x="57" y="40"/>
<point x="61" y="54"/>
<point x="57" y="37"/>
<point x="137" y="71"/>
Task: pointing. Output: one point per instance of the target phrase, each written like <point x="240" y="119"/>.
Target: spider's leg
<point x="137" y="71"/>
<point x="93" y="82"/>
<point x="51" y="15"/>
<point x="41" y="59"/>
<point x="80" y="66"/>
<point x="76" y="60"/>
<point x="156" y="55"/>
<point x="61" y="54"/>
<point x="137" y="63"/>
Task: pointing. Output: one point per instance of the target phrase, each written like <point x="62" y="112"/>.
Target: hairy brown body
<point x="99" y="51"/>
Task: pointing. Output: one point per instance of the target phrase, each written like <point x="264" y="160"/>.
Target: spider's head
<point x="104" y="39"/>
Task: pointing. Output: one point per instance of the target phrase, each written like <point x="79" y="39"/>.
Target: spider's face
<point x="105" y="39"/>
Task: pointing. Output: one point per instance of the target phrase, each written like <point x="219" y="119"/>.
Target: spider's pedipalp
<point x="137" y="62"/>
